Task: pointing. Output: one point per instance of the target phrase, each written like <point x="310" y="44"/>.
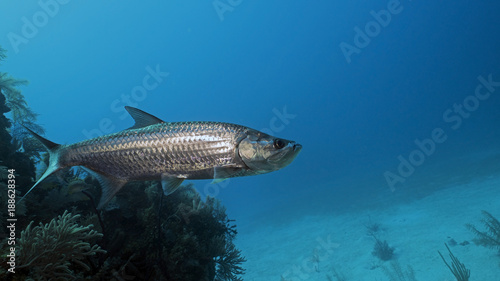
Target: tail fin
<point x="53" y="149"/>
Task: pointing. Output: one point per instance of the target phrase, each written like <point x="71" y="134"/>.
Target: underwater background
<point x="396" y="105"/>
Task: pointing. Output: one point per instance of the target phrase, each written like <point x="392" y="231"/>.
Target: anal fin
<point x="109" y="185"/>
<point x="170" y="184"/>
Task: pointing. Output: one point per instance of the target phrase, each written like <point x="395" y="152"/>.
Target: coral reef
<point x="10" y="151"/>
<point x="178" y="237"/>
<point x="21" y="112"/>
<point x="198" y="239"/>
<point x="12" y="155"/>
<point x="458" y="269"/>
<point x="491" y="236"/>
<point x="57" y="250"/>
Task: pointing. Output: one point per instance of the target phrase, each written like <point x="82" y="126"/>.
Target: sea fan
<point x="491" y="236"/>
<point x="382" y="250"/>
<point x="49" y="251"/>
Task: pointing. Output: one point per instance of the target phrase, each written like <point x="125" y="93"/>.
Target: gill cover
<point x="264" y="153"/>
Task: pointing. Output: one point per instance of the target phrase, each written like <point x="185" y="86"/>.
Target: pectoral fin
<point x="170" y="184"/>
<point x="218" y="180"/>
<point x="228" y="171"/>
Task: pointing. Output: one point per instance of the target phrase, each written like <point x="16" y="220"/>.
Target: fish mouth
<point x="297" y="147"/>
<point x="286" y="156"/>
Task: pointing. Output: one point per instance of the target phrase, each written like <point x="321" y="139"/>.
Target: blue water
<point x="281" y="67"/>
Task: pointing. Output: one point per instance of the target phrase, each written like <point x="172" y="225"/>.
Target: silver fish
<point x="171" y="152"/>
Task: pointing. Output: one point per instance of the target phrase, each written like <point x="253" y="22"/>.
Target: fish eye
<point x="279" y="144"/>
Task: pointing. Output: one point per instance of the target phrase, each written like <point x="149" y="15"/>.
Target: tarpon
<point x="171" y="152"/>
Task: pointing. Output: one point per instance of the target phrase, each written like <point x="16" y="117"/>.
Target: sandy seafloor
<point x="417" y="230"/>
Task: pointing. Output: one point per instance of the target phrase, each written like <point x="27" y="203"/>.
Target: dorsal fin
<point x="141" y="118"/>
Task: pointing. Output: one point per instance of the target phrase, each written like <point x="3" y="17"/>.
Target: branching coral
<point x="229" y="264"/>
<point x="457" y="268"/>
<point x="491" y="237"/>
<point x="48" y="251"/>
<point x="382" y="250"/>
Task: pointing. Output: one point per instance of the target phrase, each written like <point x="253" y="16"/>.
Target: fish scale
<point x="181" y="147"/>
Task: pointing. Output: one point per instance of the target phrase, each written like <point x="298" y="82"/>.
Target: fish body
<point x="171" y="152"/>
<point x="188" y="150"/>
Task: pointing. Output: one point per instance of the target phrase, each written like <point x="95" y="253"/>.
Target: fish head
<point x="264" y="153"/>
